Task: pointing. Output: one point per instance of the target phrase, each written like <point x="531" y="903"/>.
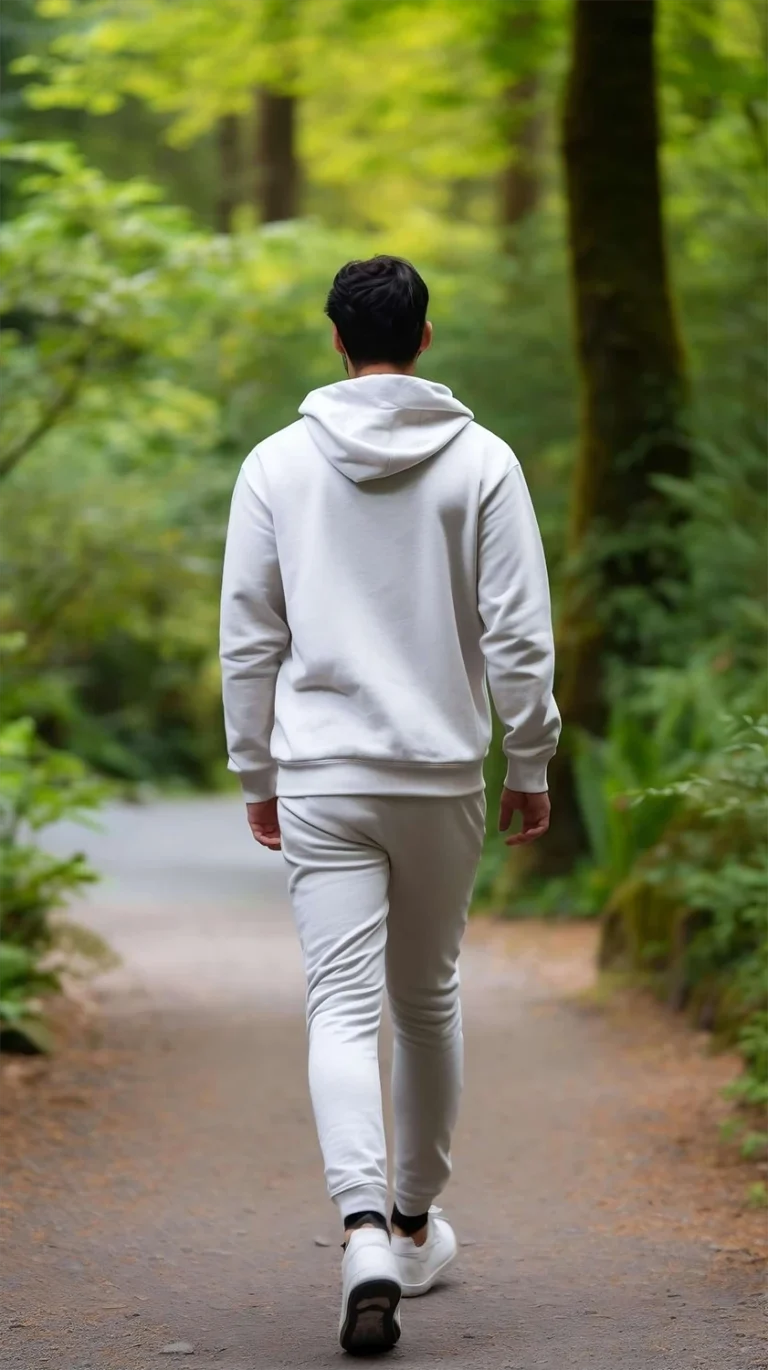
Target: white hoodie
<point x="382" y="555"/>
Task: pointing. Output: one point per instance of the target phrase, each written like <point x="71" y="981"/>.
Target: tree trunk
<point x="230" y="178"/>
<point x="277" y="171"/>
<point x="625" y="554"/>
<point x="521" y="119"/>
<point x="520" y="178"/>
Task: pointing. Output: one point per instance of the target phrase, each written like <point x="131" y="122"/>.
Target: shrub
<point x="38" y="787"/>
<point x="692" y="908"/>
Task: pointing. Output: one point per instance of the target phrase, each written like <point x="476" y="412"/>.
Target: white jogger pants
<point x="380" y="888"/>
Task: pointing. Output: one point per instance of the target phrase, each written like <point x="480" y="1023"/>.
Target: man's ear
<point x="340" y="348"/>
<point x="426" y="337"/>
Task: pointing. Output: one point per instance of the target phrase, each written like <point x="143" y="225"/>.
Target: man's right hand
<point x="264" y="823"/>
<point x="535" y="811"/>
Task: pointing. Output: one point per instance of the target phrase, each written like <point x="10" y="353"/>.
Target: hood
<point x="377" y="425"/>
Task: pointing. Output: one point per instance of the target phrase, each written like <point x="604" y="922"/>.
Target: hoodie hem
<point x="298" y="780"/>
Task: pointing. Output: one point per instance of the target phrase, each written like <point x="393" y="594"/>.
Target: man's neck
<point x="381" y="369"/>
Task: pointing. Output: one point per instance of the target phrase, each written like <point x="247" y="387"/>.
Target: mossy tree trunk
<point x="624" y="545"/>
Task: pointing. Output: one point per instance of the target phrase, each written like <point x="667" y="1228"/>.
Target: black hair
<point x="379" y="308"/>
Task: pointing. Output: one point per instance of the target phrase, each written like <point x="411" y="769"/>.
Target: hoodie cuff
<point x="529" y="777"/>
<point x="259" y="785"/>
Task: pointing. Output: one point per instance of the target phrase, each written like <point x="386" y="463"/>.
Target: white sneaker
<point x="419" y="1267"/>
<point x="370" y="1317"/>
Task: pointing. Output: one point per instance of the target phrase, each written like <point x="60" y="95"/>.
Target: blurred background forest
<point x="583" y="185"/>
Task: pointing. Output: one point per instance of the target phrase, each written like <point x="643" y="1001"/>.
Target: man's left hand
<point x="534" y="809"/>
<point x="264" y="823"/>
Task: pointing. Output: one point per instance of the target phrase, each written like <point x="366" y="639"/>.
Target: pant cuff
<point x="363" y="1198"/>
<point x="413" y="1208"/>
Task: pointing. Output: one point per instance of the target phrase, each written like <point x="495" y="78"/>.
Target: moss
<point x="639" y="928"/>
<point x="646" y="935"/>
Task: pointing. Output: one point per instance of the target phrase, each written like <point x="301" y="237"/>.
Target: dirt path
<point x="163" y="1183"/>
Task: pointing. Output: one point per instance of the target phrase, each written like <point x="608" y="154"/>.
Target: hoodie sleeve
<point x="254" y="634"/>
<point x="513" y="599"/>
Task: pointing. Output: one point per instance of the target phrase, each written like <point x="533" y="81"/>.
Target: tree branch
<point x="11" y="458"/>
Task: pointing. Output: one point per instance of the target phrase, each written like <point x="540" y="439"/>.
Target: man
<point x="382" y="560"/>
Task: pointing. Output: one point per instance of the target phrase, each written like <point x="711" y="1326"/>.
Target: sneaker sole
<point x="370" y="1323"/>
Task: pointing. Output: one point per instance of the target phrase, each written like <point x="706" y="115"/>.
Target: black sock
<point x="408" y="1225"/>
<point x="364" y="1218"/>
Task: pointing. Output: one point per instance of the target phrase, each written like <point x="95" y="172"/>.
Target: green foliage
<point x="736" y="1129"/>
<point x="690" y="902"/>
<point x="757" y="1194"/>
<point x="715" y="858"/>
<point x="754" y="1145"/>
<point x="439" y="65"/>
<point x="109" y="555"/>
<point x="607" y="771"/>
<point x="38" y="787"/>
<point x="22" y="987"/>
<point x="752" y="1087"/>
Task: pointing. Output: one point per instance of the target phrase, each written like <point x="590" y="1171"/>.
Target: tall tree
<point x="624" y="552"/>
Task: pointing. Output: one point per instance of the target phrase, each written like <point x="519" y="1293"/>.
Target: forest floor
<point x="162" y="1184"/>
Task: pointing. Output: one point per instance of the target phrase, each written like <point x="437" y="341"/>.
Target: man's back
<point x="378" y="510"/>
